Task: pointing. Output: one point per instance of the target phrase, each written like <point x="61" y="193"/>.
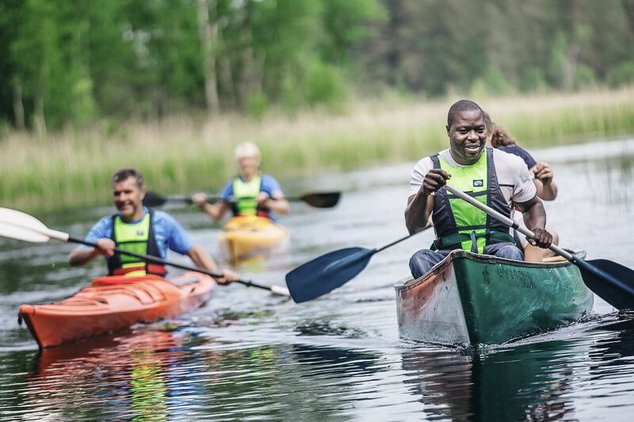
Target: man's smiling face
<point x="467" y="136"/>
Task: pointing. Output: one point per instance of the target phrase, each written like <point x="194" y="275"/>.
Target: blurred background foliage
<point x="79" y="63"/>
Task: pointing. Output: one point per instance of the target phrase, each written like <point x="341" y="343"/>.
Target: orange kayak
<point x="115" y="302"/>
<point x="245" y="237"/>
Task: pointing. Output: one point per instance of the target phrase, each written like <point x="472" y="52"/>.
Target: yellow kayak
<point x="244" y="237"/>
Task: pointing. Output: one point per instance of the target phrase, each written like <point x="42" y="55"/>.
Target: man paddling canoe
<point x="249" y="193"/>
<point x="499" y="179"/>
<point x="140" y="230"/>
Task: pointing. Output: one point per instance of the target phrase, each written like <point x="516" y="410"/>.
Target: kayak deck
<point x="115" y="302"/>
<point x="245" y="237"/>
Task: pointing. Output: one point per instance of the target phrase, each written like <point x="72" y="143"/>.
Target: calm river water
<point x="249" y="355"/>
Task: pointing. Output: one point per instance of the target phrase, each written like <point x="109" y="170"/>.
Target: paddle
<point x="315" y="199"/>
<point x="327" y="272"/>
<point x="18" y="225"/>
<point x="611" y="281"/>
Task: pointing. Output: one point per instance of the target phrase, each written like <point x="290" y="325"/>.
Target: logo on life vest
<point x="478" y="183"/>
<point x="140" y="233"/>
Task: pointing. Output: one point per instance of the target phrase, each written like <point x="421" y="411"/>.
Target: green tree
<point x="11" y="87"/>
<point x="77" y="62"/>
<point x="167" y="74"/>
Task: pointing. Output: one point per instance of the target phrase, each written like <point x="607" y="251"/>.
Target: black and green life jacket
<point x="138" y="238"/>
<point x="460" y="225"/>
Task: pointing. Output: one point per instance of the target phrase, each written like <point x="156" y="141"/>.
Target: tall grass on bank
<point x="188" y="154"/>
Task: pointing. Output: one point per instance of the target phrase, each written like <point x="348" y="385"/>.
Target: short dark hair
<point x="125" y="174"/>
<point x="460" y="106"/>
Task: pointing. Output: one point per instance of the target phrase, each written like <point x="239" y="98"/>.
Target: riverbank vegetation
<point x="172" y="86"/>
<point x="187" y="153"/>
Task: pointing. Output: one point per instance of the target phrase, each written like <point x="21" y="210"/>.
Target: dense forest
<point x="79" y="62"/>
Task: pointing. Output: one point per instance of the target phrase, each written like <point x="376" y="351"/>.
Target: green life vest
<point x="246" y="194"/>
<point x="138" y="238"/>
<point x="459" y="224"/>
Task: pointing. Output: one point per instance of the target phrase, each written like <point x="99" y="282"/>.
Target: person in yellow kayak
<point x="500" y="180"/>
<point x="249" y="193"/>
<point x="138" y="229"/>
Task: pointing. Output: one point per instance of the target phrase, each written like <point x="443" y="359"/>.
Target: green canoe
<point x="481" y="299"/>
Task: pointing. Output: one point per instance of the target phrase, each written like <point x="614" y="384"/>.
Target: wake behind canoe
<point x="478" y="299"/>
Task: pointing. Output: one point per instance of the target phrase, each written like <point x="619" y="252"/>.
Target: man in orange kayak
<point x="249" y="193"/>
<point x="140" y="230"/>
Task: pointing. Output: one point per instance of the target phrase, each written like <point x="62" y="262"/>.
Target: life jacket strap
<point x="454" y="241"/>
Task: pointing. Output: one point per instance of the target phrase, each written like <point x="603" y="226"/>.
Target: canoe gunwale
<point x="409" y="282"/>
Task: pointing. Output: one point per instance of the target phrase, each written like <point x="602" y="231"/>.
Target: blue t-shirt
<point x="168" y="232"/>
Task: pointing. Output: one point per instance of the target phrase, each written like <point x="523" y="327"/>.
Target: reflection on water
<point x="117" y="377"/>
<point x="173" y="373"/>
<point x="534" y="381"/>
<point x="162" y="374"/>
<point x="326" y="327"/>
<point x="249" y="355"/>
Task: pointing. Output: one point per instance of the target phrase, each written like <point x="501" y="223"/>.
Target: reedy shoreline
<point x="190" y="153"/>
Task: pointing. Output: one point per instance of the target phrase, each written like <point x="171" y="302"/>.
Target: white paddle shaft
<point x="17" y="225"/>
<point x="504" y="219"/>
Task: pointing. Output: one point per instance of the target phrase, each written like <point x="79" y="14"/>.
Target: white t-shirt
<point x="514" y="178"/>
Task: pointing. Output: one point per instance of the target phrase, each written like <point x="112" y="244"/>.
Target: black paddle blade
<point x="611" y="281"/>
<point x="326" y="273"/>
<point x="321" y="200"/>
<point x="154" y="200"/>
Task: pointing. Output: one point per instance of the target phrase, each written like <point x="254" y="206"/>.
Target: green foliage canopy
<point x="75" y="63"/>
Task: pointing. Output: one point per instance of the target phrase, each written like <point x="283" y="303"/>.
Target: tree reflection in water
<point x="124" y="376"/>
<point x="539" y="378"/>
<point x="525" y="382"/>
